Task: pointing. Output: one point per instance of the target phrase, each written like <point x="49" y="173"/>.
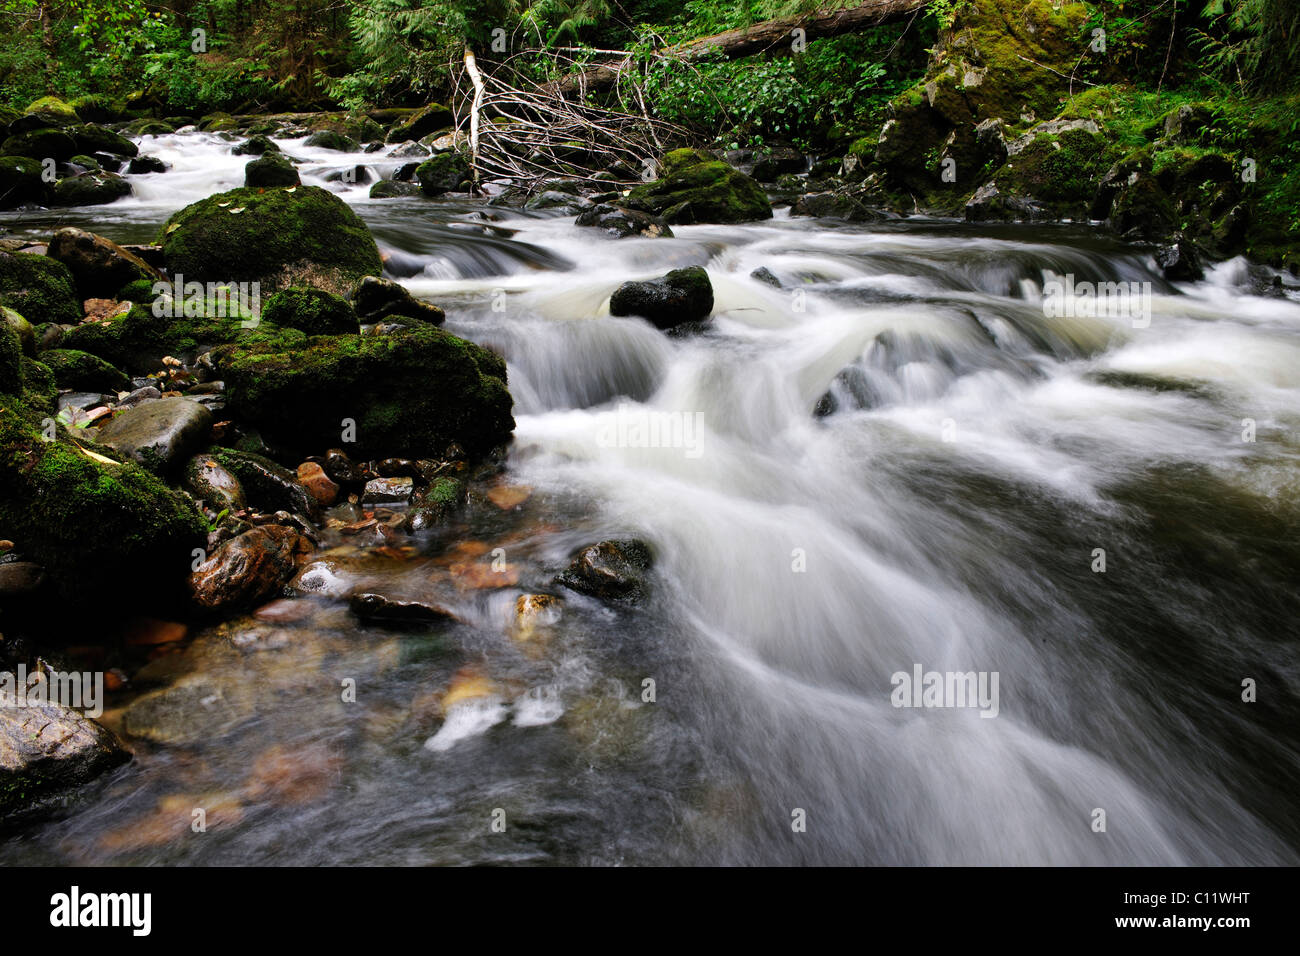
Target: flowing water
<point x="897" y="458"/>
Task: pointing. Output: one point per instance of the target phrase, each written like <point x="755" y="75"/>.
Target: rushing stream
<point x="897" y="458"/>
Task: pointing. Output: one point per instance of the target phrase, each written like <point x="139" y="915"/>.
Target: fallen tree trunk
<point x="759" y="38"/>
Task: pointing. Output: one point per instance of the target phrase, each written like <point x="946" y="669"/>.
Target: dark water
<point x="901" y="457"/>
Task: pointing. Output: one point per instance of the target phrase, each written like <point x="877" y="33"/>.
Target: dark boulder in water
<point x="682" y="296"/>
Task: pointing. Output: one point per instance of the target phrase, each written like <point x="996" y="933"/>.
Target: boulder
<point x="683" y="295"/>
<point x="431" y="119"/>
<point x="41" y="144"/>
<point x="329" y="139"/>
<point x="84" y="372"/>
<point x="25" y="331"/>
<point x="146" y="164"/>
<point x="313" y="311"/>
<point x="443" y="173"/>
<point x="90" y="189"/>
<point x="392" y="189"/>
<point x="159" y="435"/>
<point x="39" y="288"/>
<point x="279" y="237"/>
<point x="208" y="481"/>
<point x="99" y="266"/>
<point x="255" y="146"/>
<point x="271" y="170"/>
<point x="695" y="187"/>
<point x="22" y="183"/>
<point x="46" y="750"/>
<point x="100" y="139"/>
<point x="621" y="223"/>
<point x="377" y="298"/>
<point x="266" y="485"/>
<point x="410" y="393"/>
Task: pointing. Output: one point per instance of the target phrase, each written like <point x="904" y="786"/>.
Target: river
<point x="896" y="459"/>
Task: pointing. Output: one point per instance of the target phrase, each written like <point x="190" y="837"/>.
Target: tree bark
<point x="762" y="37"/>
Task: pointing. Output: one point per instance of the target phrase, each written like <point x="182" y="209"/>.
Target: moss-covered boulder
<point x="313" y="311"/>
<point x="48" y="111"/>
<point x="258" y="145"/>
<point x="280" y="238"/>
<point x="695" y="187"/>
<point x="21" y="182"/>
<point x="84" y="372"/>
<point x="11" y="362"/>
<point x="38" y="288"/>
<point x="90" y="189"/>
<point x="39" y="392"/>
<point x="390" y="189"/>
<point x="269" y="171"/>
<point x="25" y="331"/>
<point x="40" y="144"/>
<point x="331" y="139"/>
<point x="431" y="119"/>
<point x="100" y="139"/>
<point x="443" y="173"/>
<point x="408" y="393"/>
<point x="138" y="339"/>
<point x="1056" y="174"/>
<point x="103" y="530"/>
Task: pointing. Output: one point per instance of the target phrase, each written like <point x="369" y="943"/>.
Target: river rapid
<point x="897" y="459"/>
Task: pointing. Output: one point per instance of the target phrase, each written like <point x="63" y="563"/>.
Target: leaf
<point x="95" y="456"/>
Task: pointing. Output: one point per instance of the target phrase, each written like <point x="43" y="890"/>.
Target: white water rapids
<point x="902" y="460"/>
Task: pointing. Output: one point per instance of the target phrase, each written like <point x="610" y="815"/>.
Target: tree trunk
<point x="760" y="38"/>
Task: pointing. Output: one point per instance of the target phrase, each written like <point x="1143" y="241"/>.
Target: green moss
<point x="698" y="188"/>
<point x="38" y="287"/>
<point x="138" y="340"/>
<point x="277" y="237"/>
<point x="84" y="372"/>
<point x="141" y="290"/>
<point x="11" y="366"/>
<point x="409" y="392"/>
<point x="313" y="311"/>
<point x="55" y="107"/>
<point x="111" y="531"/>
<point x="40" y="392"/>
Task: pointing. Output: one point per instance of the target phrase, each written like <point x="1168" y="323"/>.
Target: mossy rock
<point x="99" y="139"/>
<point x="389" y="189"/>
<point x="84" y="372"/>
<point x="38" y="288"/>
<point x="148" y="126"/>
<point x="270" y="171"/>
<point x="331" y="139"/>
<point x="39" y="391"/>
<point x="313" y="311"/>
<point x="1060" y="172"/>
<point x="410" y="393"/>
<point x="21" y="182"/>
<point x="11" y="361"/>
<point x="258" y="145"/>
<point x="97" y="108"/>
<point x="356" y="126"/>
<point x="86" y="163"/>
<point x="25" y="331"/>
<point x="40" y="144"/>
<point x="442" y="173"/>
<point x="107" y="532"/>
<point x="1142" y="210"/>
<point x="276" y="237"/>
<point x="56" y="107"/>
<point x="139" y="339"/>
<point x="432" y="118"/>
<point x="695" y="187"/>
<point x="90" y="189"/>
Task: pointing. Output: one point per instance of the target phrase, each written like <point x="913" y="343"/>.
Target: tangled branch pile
<point x="522" y="131"/>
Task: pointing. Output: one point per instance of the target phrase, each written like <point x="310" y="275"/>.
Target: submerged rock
<point x="683" y="295"/>
<point x="609" y="569"/>
<point x="383" y="609"/>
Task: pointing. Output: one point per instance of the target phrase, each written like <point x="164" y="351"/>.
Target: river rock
<point x="383" y="609"/>
<point x="430" y="119"/>
<point x="609" y="569"/>
<point x="273" y="169"/>
<point x="377" y="298"/>
<point x="443" y="173"/>
<point x="779" y="161"/>
<point x="388" y="491"/>
<point x="146" y="164"/>
<point x="408" y="393"/>
<point x="695" y="187"/>
<point x="620" y="223"/>
<point x="318" y="484"/>
<point x="91" y="138"/>
<point x="249" y="569"/>
<point x="255" y="146"/>
<point x="48" y="749"/>
<point x="159" y="435"/>
<point x="41" y="144"/>
<point x="313" y="311"/>
<point x="22" y="183"/>
<point x="99" y="266"/>
<point x="392" y="189"/>
<point x="329" y="139"/>
<point x="23" y="329"/>
<point x="38" y="288"/>
<point x="90" y="189"/>
<point x="84" y="372"/>
<point x="278" y="237"/>
<point x="208" y="481"/>
<point x="20" y="578"/>
<point x="683" y="295"/>
<point x="267" y="485"/>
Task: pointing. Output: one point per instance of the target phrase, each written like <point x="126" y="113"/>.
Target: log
<point x="760" y="38"/>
